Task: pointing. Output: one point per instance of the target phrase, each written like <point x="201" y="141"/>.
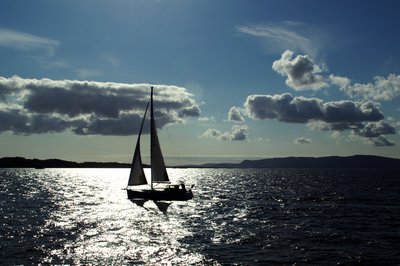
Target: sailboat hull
<point x="166" y="194"/>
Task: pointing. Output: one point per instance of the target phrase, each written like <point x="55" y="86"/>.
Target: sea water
<point x="237" y="216"/>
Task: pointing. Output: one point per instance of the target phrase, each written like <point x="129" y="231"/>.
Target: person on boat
<point x="183" y="187"/>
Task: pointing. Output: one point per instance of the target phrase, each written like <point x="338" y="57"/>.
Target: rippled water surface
<point x="238" y="216"/>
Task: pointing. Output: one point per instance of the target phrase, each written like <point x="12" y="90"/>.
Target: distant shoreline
<point x="21" y="162"/>
<point x="355" y="161"/>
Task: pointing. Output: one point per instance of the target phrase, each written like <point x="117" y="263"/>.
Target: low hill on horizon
<point x="21" y="162"/>
<point x="355" y="161"/>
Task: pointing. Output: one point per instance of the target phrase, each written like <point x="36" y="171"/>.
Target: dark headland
<point x="20" y="162"/>
<point x="356" y="161"/>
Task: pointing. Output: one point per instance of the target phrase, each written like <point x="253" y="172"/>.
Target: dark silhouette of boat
<point x="164" y="191"/>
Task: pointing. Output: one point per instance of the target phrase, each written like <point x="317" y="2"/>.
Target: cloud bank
<point x="86" y="107"/>
<point x="286" y="108"/>
<point x="363" y="119"/>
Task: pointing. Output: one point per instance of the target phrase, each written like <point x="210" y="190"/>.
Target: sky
<point x="233" y="79"/>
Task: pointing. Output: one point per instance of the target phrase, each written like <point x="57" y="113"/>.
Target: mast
<point x="158" y="170"/>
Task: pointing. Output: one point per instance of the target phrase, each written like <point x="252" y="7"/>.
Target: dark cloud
<point x="284" y="108"/>
<point x="287" y="108"/>
<point x="19" y="122"/>
<point x="48" y="124"/>
<point x="301" y="72"/>
<point x="349" y="111"/>
<point x="124" y="125"/>
<point x="11" y="119"/>
<point x="88" y="107"/>
<point x="238" y="132"/>
<point x="75" y="102"/>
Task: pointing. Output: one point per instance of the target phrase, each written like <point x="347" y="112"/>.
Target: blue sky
<point x="234" y="79"/>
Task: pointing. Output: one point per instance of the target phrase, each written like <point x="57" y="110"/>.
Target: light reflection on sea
<point x="91" y="221"/>
<point x="115" y="229"/>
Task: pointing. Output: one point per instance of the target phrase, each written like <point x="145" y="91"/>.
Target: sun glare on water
<point x="99" y="224"/>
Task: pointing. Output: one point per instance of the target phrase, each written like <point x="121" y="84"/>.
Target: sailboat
<point x="137" y="179"/>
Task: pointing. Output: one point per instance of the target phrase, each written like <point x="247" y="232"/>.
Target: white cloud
<point x="341" y="82"/>
<point x="335" y="126"/>
<point x="336" y="135"/>
<point x="263" y="139"/>
<point x="206" y="119"/>
<point x="380" y="141"/>
<point x="293" y="36"/>
<point x="27" y="42"/>
<point x="87" y="107"/>
<point x="235" y="115"/>
<point x="382" y="89"/>
<point x="85" y="73"/>
<point x="302" y="140"/>
<point x="375" y="129"/>
<point x="301" y="72"/>
<point x="238" y="132"/>
<point x="371" y="132"/>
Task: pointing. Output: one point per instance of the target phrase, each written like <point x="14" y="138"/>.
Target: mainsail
<point x="158" y="170"/>
<point x="137" y="177"/>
